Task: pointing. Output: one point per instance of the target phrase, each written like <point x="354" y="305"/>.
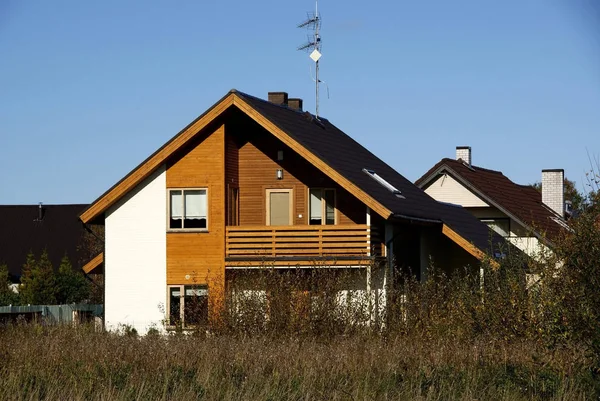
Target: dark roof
<point x="59" y="232"/>
<point x="349" y="158"/>
<point x="521" y="202"/>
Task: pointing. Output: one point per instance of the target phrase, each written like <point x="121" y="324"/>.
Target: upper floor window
<point x="322" y="206"/>
<point x="188" y="209"/>
<point x="499" y="225"/>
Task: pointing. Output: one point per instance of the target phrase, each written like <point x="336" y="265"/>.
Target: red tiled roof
<point x="521" y="202"/>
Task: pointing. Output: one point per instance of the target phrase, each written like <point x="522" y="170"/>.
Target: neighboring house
<point x="528" y="219"/>
<point x="254" y="183"/>
<point x="35" y="228"/>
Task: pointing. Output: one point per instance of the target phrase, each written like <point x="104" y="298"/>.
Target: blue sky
<point x="89" y="89"/>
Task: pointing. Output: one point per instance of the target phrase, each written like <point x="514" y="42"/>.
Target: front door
<point x="279" y="207"/>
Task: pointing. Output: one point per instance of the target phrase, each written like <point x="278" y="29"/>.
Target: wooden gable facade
<point x="237" y="161"/>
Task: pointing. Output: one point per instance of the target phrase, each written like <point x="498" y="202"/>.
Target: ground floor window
<point x="188" y="305"/>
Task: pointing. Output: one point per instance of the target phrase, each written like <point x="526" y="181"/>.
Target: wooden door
<point x="279" y="207"/>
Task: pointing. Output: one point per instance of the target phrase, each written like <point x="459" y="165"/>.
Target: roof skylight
<point x="384" y="183"/>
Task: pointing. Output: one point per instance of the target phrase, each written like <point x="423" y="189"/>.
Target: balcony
<point x="340" y="245"/>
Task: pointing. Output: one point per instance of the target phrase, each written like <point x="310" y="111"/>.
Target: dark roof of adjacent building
<point x="521" y="202"/>
<point x="59" y="231"/>
<point x="349" y="158"/>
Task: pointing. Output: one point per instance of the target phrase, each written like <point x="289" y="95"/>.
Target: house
<point x="35" y="228"/>
<point x="254" y="183"/>
<point x="528" y="219"/>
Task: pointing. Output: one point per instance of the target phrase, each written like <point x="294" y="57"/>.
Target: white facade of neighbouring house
<point x="135" y="257"/>
<point x="447" y="189"/>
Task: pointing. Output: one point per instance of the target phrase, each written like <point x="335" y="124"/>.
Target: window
<point x="500" y="226"/>
<point x="188" y="209"/>
<point x="188" y="305"/>
<point x="322" y="206"/>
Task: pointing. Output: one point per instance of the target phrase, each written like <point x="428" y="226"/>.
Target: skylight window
<point x="384" y="183"/>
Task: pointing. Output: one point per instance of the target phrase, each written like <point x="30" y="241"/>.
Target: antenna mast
<point x="314" y="43"/>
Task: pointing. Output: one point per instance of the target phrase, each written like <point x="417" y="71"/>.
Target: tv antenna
<point x="313" y="22"/>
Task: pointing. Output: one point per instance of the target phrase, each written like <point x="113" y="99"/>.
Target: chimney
<point x="464" y="153"/>
<point x="553" y="190"/>
<point x="40" y="212"/>
<point x="295" y="103"/>
<point x="279" y="98"/>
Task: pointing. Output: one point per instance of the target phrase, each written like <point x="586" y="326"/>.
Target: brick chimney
<point x="553" y="190"/>
<point x="279" y="98"/>
<point x="464" y="153"/>
<point x="295" y="103"/>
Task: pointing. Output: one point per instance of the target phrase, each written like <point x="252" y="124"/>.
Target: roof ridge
<point x="282" y="106"/>
<point x="474" y="167"/>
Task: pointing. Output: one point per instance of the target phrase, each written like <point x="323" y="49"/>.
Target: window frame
<point x="323" y="206"/>
<point x="183" y="229"/>
<point x="182" y="324"/>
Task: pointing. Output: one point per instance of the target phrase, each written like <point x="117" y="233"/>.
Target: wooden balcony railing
<point x="308" y="241"/>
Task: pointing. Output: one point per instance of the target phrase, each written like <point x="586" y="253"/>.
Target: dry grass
<point x="67" y="363"/>
<point x="449" y="338"/>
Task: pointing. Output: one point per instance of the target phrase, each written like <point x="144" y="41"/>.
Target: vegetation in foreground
<point x="68" y="363"/>
<point x="458" y="337"/>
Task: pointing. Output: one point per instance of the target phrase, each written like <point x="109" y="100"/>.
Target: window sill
<point x="187" y="230"/>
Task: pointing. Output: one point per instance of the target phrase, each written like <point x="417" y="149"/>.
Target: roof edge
<point x="104" y="201"/>
<point x="160" y="156"/>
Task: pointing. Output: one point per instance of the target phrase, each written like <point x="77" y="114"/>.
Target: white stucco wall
<point x="447" y="189"/>
<point x="135" y="256"/>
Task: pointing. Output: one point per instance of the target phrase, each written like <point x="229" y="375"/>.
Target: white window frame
<point x="323" y="206"/>
<point x="183" y="228"/>
<point x="181" y="287"/>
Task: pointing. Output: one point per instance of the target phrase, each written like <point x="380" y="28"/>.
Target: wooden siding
<point x="199" y="255"/>
<point x="258" y="165"/>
